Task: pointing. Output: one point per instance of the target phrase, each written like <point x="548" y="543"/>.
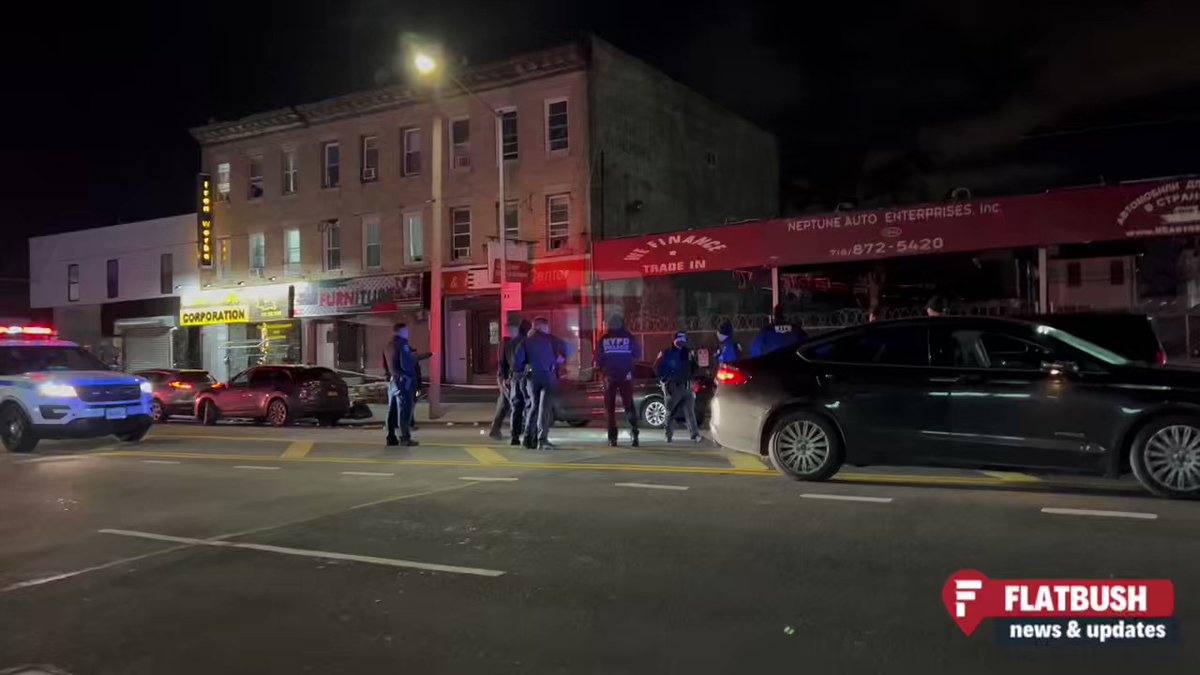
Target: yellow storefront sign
<point x="207" y="316"/>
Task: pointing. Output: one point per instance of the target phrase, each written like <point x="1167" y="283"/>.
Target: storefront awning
<point x="1151" y="209"/>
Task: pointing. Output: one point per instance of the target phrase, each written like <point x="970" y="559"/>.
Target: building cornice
<point x="481" y="78"/>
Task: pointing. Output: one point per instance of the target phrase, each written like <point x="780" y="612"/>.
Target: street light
<point x="426" y="64"/>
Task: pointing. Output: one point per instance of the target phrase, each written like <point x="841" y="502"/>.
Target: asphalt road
<point x="239" y="549"/>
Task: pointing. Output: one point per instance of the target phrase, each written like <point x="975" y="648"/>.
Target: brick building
<point x="333" y="199"/>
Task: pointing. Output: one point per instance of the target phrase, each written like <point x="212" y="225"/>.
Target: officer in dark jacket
<point x="539" y="356"/>
<point x="401" y="386"/>
<point x="511" y="401"/>
<point x="728" y="349"/>
<point x="776" y="335"/>
<point x="676" y="369"/>
<point x="615" y="354"/>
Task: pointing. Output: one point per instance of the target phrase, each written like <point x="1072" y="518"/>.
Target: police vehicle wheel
<point x="133" y="436"/>
<point x="654" y="413"/>
<point x="278" y="414"/>
<point x="16" y="431"/>
<point x="208" y="413"/>
<point x="157" y="412"/>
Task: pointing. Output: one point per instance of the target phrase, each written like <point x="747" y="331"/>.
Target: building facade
<point x="116" y="289"/>
<point x="334" y="198"/>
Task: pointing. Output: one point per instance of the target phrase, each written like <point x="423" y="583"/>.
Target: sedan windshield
<point x="1093" y="350"/>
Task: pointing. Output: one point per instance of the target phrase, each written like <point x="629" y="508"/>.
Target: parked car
<point x="175" y="391"/>
<point x="279" y="395"/>
<point x="581" y="401"/>
<point x="1130" y="335"/>
<point x="963" y="391"/>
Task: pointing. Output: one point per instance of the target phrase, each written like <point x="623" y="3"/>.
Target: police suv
<point x="51" y="388"/>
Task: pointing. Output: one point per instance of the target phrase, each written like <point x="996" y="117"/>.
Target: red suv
<point x="277" y="394"/>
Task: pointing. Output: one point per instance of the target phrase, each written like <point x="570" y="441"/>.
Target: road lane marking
<point x="485" y="479"/>
<point x="297" y="450"/>
<point x="368" y="473"/>
<point x="49" y="458"/>
<point x="307" y="553"/>
<point x="160" y="461"/>
<point x="85" y="570"/>
<point x="652" y="486"/>
<point x="1012" y="476"/>
<point x="741" y="460"/>
<point x="1103" y="514"/>
<point x="485" y="455"/>
<point x="256" y="467"/>
<point x="847" y="498"/>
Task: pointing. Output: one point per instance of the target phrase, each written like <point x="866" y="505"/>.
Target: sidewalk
<point x="452" y="413"/>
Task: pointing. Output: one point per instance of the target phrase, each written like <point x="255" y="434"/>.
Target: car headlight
<point x="146" y="388"/>
<point x="56" y="390"/>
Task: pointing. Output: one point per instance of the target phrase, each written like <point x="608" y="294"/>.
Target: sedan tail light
<point x="180" y="385"/>
<point x="728" y="375"/>
<point x="1161" y="358"/>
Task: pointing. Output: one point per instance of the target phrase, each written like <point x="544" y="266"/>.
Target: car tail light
<point x="696" y="388"/>
<point x="729" y="375"/>
<point x="180" y="385"/>
<point x="1161" y="358"/>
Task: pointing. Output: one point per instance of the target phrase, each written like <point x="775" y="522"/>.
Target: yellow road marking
<point x="297" y="450"/>
<point x="740" y="460"/>
<point x="1013" y="477"/>
<point x="485" y="455"/>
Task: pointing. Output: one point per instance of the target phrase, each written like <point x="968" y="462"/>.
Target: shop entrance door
<point x="326" y="345"/>
<point x="456" y="347"/>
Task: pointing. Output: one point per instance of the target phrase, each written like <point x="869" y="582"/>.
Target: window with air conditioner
<point x="558" y="219"/>
<point x="370" y="159"/>
<point x="258" y="254"/>
<point x="460" y="233"/>
<point x="333" y="245"/>
<point x="291" y="251"/>
<point x="460" y="143"/>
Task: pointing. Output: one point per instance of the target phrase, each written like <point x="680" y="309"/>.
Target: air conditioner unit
<point x="462" y="161"/>
<point x="369" y="173"/>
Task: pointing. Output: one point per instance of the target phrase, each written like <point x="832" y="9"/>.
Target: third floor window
<point x="370" y="159"/>
<point x="460" y="144"/>
<point x="412" y="152"/>
<point x="460" y="233"/>
<point x="557" y="137"/>
<point x="332" y="160"/>
<point x="508" y="134"/>
<point x="291" y="172"/>
<point x="256" y="178"/>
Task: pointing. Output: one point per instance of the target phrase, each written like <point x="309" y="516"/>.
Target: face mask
<point x="722" y="337"/>
<point x="512" y="332"/>
<point x="680" y="344"/>
<point x="403" y="332"/>
<point x="544" y="329"/>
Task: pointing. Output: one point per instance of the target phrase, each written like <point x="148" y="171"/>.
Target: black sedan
<point x="964" y="392"/>
<point x="581" y="401"/>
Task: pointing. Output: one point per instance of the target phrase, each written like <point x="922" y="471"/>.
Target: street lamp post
<point x="426" y="64"/>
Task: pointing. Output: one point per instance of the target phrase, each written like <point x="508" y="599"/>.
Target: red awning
<point x="1152" y="209"/>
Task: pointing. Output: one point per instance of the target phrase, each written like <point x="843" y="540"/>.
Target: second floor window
<point x="114" y="278"/>
<point x="256" y="178"/>
<point x="558" y="218"/>
<point x="223" y="181"/>
<point x="370" y="159"/>
<point x="291" y="172"/>
<point x="72" y="283"/>
<point x="224" y="268"/>
<point x="333" y="246"/>
<point x="372" y="246"/>
<point x="460" y="144"/>
<point x="512" y="223"/>
<point x="332" y="161"/>
<point x="414" y="236"/>
<point x="460" y="233"/>
<point x="412" y="152"/>
<point x="166" y="273"/>
<point x="557" y="137"/>
<point x="258" y="254"/>
<point x="291" y="251"/>
<point x="508" y="134"/>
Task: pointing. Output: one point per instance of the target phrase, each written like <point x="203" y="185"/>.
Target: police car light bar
<point x="26" y="330"/>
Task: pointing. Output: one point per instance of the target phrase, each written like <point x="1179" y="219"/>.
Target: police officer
<point x="617" y="351"/>
<point x="728" y="349"/>
<point x="400" y="388"/>
<point x="676" y="369"/>
<point x="511" y="401"/>
<point x="776" y="335"/>
<point x="541" y="354"/>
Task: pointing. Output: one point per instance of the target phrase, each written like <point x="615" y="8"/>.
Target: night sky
<point x="896" y="102"/>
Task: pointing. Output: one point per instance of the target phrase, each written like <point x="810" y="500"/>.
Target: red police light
<point x="43" y="331"/>
<point x="729" y="375"/>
